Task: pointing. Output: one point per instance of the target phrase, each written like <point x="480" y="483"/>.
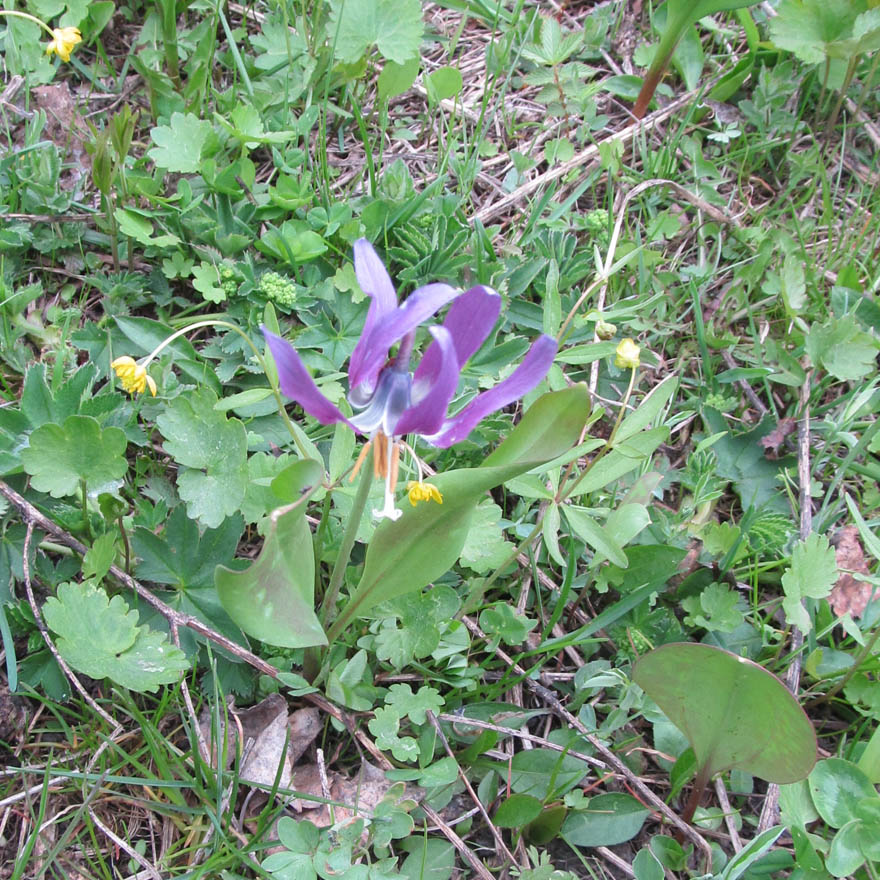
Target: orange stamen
<point x="380" y="456"/>
<point x="360" y="460"/>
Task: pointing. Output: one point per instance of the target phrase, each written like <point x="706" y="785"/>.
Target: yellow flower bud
<point x="627" y="354"/>
<point x="64" y="39"/>
<point x="419" y="491"/>
<point x="604" y="330"/>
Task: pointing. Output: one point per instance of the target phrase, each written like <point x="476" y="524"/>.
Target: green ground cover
<point x="439" y="440"/>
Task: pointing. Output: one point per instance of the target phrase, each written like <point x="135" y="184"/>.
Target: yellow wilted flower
<point x="63" y="41"/>
<point x="418" y="491"/>
<point x="134" y="376"/>
<point x="627" y="354"/>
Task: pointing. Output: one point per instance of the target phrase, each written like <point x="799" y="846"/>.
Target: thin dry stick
<point x="721" y="793"/>
<point x="33" y="517"/>
<point x="587" y="155"/>
<point x="125" y="847"/>
<point x="616" y="860"/>
<point x="187" y="699"/>
<point x="610" y="757"/>
<point x="496" y="834"/>
<point x="44" y="632"/>
<point x="793" y="677"/>
<point x="464" y="721"/>
<point x="481" y="870"/>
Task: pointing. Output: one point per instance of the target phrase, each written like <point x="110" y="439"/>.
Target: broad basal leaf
<point x="427" y="540"/>
<point x="273" y="600"/>
<point x="213" y="451"/>
<point x="60" y="456"/>
<point x="100" y="637"/>
<point x="734" y="712"/>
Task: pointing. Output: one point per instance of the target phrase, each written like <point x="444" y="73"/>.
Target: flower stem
<point x="348" y="539"/>
<point x="29" y="17"/>
<point x="84" y="501"/>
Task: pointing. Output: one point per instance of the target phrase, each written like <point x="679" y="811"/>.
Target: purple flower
<point x="391" y="401"/>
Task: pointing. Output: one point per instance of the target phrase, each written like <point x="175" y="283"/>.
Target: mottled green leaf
<point x="273" y="599"/>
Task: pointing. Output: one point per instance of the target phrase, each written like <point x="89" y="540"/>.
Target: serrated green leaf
<point x="100" y="556"/>
<point x="273" y="600"/>
<point x="100" y="637"/>
<point x="842" y="348"/>
<point x="213" y="451"/>
<point x="715" y="609"/>
<point x="60" y="456"/>
<point x="501" y="620"/>
<point x="179" y="145"/>
<point x="181" y="557"/>
<point x="394" y="26"/>
<point x="485" y="548"/>
<point x="812" y="574"/>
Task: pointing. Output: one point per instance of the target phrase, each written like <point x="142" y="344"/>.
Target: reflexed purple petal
<point x="418" y="307"/>
<point x="374" y="280"/>
<point x="298" y="385"/>
<point x="470" y="319"/>
<point x="525" y="377"/>
<point x="427" y="416"/>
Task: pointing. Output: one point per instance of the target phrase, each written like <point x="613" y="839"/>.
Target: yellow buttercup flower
<point x="62" y="43"/>
<point x="418" y="491"/>
<point x="134" y="376"/>
<point x="627" y="354"/>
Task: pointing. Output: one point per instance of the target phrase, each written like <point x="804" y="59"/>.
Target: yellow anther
<point x="418" y="491"/>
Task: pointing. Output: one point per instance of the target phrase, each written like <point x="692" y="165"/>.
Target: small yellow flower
<point x="419" y="491"/>
<point x="64" y="39"/>
<point x="627" y="354"/>
<point x="134" y="376"/>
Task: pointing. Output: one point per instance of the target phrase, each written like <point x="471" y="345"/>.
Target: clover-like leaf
<point x="734" y="712"/>
<point x="413" y="706"/>
<point x="384" y="728"/>
<point x="394" y="26"/>
<point x="179" y="145"/>
<point x="213" y="451"/>
<point x="59" y="457"/>
<point x="100" y="637"/>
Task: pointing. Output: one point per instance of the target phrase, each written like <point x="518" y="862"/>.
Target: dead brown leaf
<point x="850" y="593"/>
<point x="268" y="738"/>
<point x="773" y="441"/>
<point x="65" y="128"/>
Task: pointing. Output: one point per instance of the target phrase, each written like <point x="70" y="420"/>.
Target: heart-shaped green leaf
<point x="734" y="712"/>
<point x="273" y="600"/>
